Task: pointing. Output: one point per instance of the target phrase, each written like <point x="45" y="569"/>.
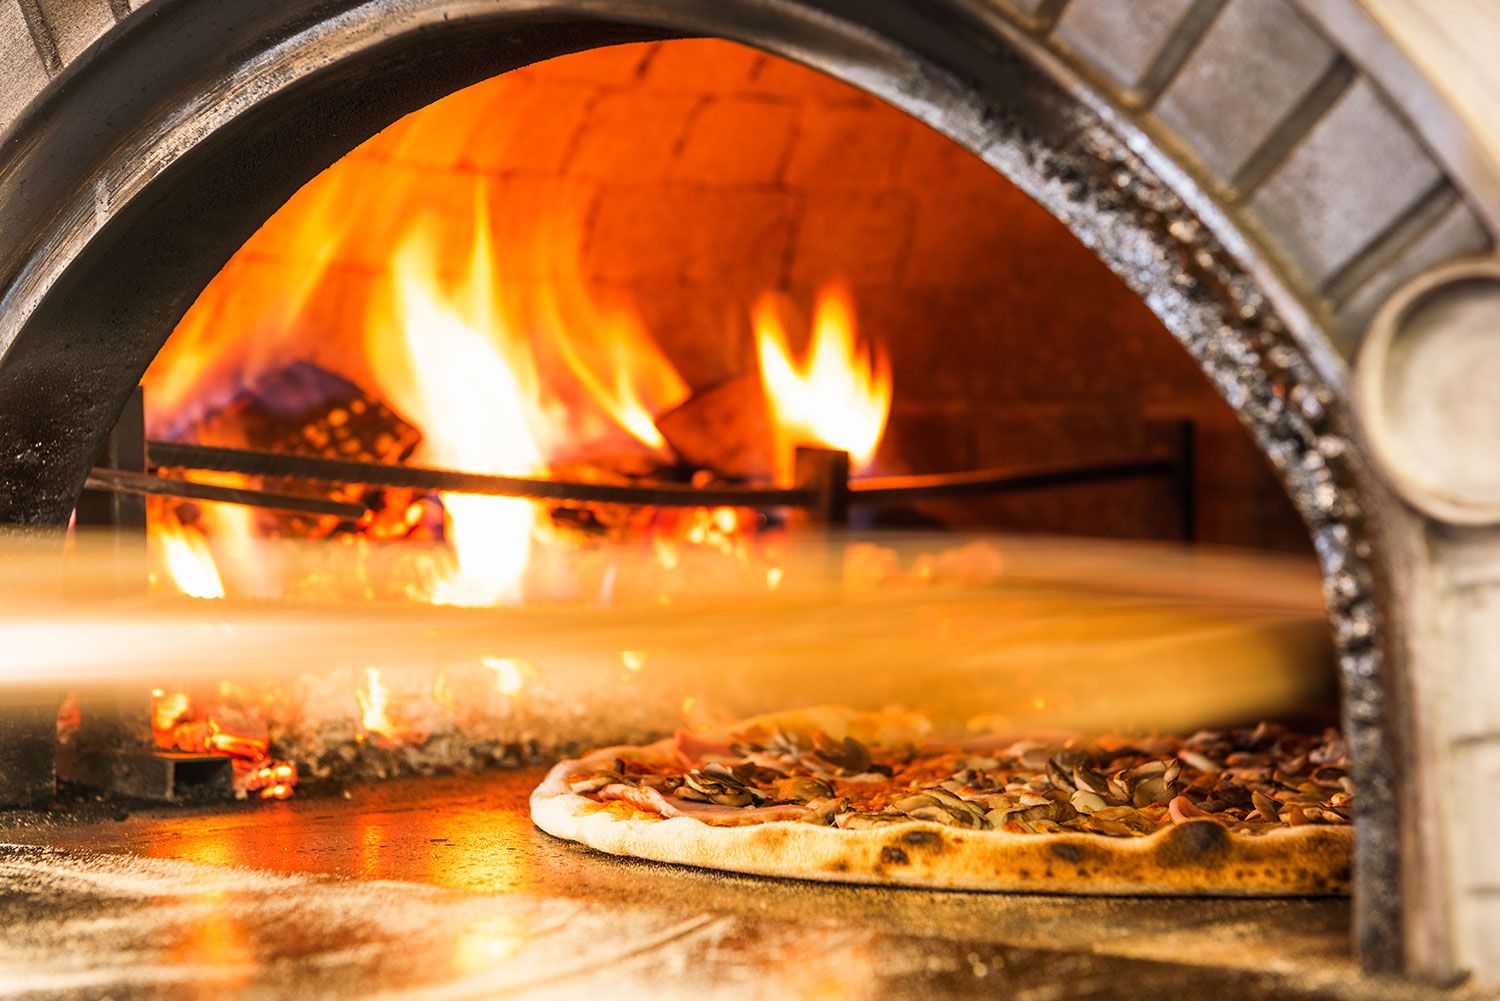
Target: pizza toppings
<point x="1251" y="780"/>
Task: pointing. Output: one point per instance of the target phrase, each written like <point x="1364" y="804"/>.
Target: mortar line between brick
<point x="1468" y="740"/>
<point x="1387" y="246"/>
<point x="42" y="38"/>
<point x="793" y="244"/>
<point x="1293" y="128"/>
<point x="1047" y="13"/>
<point x="1173" y="56"/>
<point x="580" y="129"/>
<point x="644" y="66"/>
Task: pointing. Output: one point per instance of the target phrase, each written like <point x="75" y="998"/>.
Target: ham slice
<point x="1182" y="810"/>
<point x="653" y="801"/>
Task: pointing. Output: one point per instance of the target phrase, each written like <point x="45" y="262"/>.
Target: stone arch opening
<point x="118" y="149"/>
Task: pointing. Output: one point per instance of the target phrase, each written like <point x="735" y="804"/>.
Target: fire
<point x="451" y="365"/>
<point x="374" y="702"/>
<point x="479" y="330"/>
<point x="187" y="560"/>
<point x="510" y="674"/>
<point x="605" y="346"/>
<point x="839" y="396"/>
<point x="224" y="721"/>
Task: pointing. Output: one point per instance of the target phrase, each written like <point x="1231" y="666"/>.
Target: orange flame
<point x="511" y="675"/>
<point x="185" y="556"/>
<point x="605" y="346"/>
<point x="224" y="723"/>
<point x="374" y="701"/>
<point x="839" y="396"/>
<point x="451" y="364"/>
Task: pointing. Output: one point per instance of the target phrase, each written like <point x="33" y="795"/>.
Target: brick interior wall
<point x="688" y="177"/>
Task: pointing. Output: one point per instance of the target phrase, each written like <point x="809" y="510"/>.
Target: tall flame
<point x="605" y="346"/>
<point x="450" y="362"/>
<point x="839" y="395"/>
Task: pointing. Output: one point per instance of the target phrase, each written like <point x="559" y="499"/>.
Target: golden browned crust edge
<point x="1198" y="858"/>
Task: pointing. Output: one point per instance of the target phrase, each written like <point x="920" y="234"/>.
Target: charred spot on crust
<point x="894" y="856"/>
<point x="1193" y="843"/>
<point x="1067" y="852"/>
<point x="922" y="839"/>
<point x="1342" y="874"/>
<point x="840" y="866"/>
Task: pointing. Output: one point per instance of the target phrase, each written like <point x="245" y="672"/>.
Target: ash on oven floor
<point x="441" y="888"/>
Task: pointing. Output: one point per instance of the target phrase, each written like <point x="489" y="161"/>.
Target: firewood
<point x="725" y="428"/>
<point x="304" y="410"/>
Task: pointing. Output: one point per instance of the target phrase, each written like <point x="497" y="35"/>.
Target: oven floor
<point x="441" y="888"/>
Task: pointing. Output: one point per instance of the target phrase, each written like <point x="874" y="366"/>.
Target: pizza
<point x="835" y="794"/>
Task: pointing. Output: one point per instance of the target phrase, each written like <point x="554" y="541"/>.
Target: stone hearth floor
<point x="441" y="889"/>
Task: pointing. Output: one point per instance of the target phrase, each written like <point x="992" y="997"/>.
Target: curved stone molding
<point x="1426" y="381"/>
<point x="1302" y="148"/>
<point x="1281" y="125"/>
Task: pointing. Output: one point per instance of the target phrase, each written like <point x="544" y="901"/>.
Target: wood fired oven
<point x="1304" y="194"/>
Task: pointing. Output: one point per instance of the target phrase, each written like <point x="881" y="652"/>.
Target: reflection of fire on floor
<point x="454" y="895"/>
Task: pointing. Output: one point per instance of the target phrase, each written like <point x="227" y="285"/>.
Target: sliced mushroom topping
<point x="1250" y="781"/>
<point x="1086" y="778"/>
<point x="721" y="785"/>
<point x="1059" y="778"/>
<point x="866" y="821"/>
<point x="1048" y="811"/>
<point x="941" y="807"/>
<point x="846" y="757"/>
<point x="1194" y="759"/>
<point x="800" y="789"/>
<point x="825" y="811"/>
<point x="667" y="784"/>
<point x="1267" y="807"/>
<point x="1087" y="802"/>
<point x="591" y="783"/>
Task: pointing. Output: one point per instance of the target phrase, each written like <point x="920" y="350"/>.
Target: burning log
<point x="191" y="729"/>
<point x="304" y="410"/>
<point x="725" y="428"/>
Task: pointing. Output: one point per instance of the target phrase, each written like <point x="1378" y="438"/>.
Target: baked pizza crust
<point x="1194" y="858"/>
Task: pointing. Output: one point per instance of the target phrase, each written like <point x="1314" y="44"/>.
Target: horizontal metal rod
<point x="276" y="464"/>
<point x="875" y="490"/>
<point x="900" y="489"/>
<point x="124" y="482"/>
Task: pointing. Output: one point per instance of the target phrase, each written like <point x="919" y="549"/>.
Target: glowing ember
<point x="222" y="722"/>
<point x="839" y="396"/>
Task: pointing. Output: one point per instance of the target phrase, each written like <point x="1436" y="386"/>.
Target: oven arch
<point x="128" y="179"/>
